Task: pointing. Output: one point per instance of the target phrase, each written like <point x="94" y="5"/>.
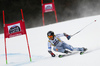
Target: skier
<point x="59" y="45"/>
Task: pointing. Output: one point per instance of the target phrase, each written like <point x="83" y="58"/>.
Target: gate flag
<point x="48" y="7"/>
<point x="15" y="29"/>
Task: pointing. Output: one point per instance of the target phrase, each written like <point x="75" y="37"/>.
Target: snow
<point x="89" y="37"/>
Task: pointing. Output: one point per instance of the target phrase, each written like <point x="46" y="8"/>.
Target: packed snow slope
<point x="89" y="37"/>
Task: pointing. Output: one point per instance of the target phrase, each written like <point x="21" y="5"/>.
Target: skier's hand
<point x="68" y="36"/>
<point x="52" y="54"/>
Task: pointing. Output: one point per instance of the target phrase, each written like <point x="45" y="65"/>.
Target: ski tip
<point x="81" y="53"/>
<point x="60" y="56"/>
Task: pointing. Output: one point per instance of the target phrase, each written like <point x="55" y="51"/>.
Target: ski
<point x="69" y="54"/>
<point x="72" y="53"/>
<point x="81" y="53"/>
<point x="60" y="56"/>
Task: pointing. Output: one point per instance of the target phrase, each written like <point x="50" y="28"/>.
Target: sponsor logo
<point x="14" y="29"/>
<point x="48" y="7"/>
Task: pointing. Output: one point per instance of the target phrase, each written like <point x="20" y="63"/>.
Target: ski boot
<point x="82" y="52"/>
<point x="66" y="51"/>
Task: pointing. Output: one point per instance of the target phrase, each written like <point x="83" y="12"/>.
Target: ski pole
<point x="83" y="28"/>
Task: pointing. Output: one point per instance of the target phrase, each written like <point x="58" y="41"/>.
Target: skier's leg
<point x="59" y="49"/>
<point x="71" y="48"/>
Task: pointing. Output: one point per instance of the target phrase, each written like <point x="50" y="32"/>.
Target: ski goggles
<point x="50" y="36"/>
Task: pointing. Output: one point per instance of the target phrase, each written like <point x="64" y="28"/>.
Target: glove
<point x="68" y="36"/>
<point x="52" y="54"/>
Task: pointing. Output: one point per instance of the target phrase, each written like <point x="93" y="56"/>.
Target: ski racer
<point x="59" y="45"/>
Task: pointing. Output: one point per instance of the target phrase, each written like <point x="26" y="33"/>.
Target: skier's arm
<point x="64" y="34"/>
<point x="60" y="35"/>
<point x="49" y="50"/>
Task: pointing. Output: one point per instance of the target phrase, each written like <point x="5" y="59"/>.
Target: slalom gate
<point x="15" y="29"/>
<point x="48" y="7"/>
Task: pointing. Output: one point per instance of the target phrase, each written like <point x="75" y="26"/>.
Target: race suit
<point x="60" y="45"/>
